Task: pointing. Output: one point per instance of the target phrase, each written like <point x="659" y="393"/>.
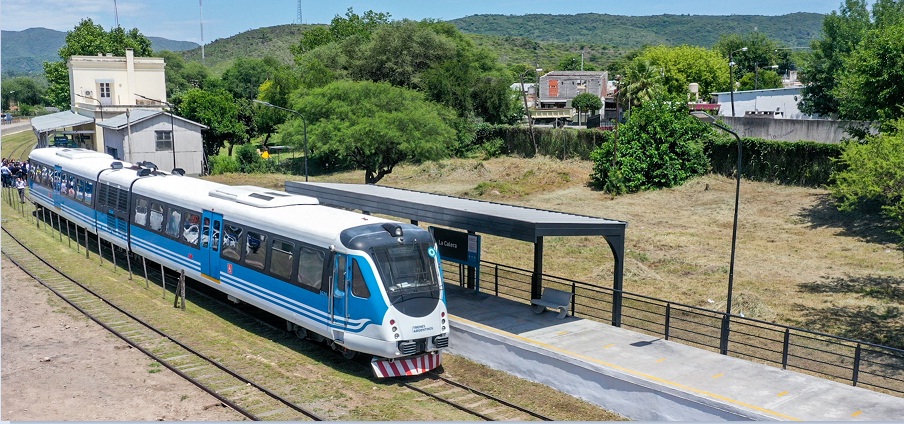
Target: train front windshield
<point x="407" y="271"/>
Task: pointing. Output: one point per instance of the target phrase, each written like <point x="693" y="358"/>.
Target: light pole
<point x="756" y="74"/>
<point x="705" y="117"/>
<point x="731" y="65"/>
<point x="304" y="123"/>
<point x="172" y="124"/>
<point x="99" y="104"/>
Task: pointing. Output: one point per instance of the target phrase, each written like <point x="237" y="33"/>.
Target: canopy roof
<point x="54" y="121"/>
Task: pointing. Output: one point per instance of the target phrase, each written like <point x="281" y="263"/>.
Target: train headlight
<point x="397" y="335"/>
<point x="395" y="329"/>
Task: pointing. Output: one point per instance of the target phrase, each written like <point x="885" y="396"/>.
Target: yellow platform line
<point x="627" y="370"/>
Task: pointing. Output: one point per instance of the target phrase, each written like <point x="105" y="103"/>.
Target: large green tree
<point x="21" y="90"/>
<point x="217" y="110"/>
<point x="375" y="126"/>
<point x="679" y="66"/>
<point x="841" y="33"/>
<point x="89" y="39"/>
<point x="181" y="75"/>
<point x="870" y="85"/>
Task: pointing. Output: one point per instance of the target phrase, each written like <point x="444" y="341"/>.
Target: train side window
<point x="256" y="250"/>
<point x="310" y="268"/>
<point x="205" y="228"/>
<point x="89" y="191"/>
<point x="281" y="258"/>
<point x="71" y="188"/>
<point x="173" y="222"/>
<point x="231" y="239"/>
<point x="80" y="194"/>
<point x="359" y="286"/>
<point x="156" y="217"/>
<point x="215" y="236"/>
<point x="190" y="230"/>
<point x="141" y="212"/>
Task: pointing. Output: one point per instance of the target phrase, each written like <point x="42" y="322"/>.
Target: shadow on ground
<point x="877" y="323"/>
<point x="866" y="223"/>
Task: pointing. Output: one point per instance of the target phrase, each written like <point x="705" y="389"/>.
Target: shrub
<point x="801" y="163"/>
<point x="223" y="165"/>
<point x="660" y="145"/>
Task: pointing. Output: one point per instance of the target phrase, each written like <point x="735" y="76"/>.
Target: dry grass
<point x="799" y="261"/>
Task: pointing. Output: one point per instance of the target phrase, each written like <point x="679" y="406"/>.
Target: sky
<point x="182" y="19"/>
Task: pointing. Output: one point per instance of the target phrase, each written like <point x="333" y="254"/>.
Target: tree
<point x="181" y="76"/>
<point x="842" y="32"/>
<point x="642" y="82"/>
<point x="661" y="145"/>
<point x="23" y="90"/>
<point x="89" y="39"/>
<point x="244" y="77"/>
<point x="685" y="64"/>
<point x="585" y="102"/>
<point x="874" y="171"/>
<point x="869" y="85"/>
<point x="217" y="110"/>
<point x="375" y="126"/>
<point x="763" y="79"/>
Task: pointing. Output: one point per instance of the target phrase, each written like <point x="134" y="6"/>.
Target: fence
<point x="859" y="363"/>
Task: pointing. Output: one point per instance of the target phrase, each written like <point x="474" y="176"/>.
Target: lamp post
<point x="172" y="123"/>
<point x="705" y="117"/>
<point x="99" y="104"/>
<point x="731" y="65"/>
<point x="756" y="74"/>
<point x="304" y="123"/>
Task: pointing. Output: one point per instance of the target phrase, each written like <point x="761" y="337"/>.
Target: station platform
<point x="643" y="377"/>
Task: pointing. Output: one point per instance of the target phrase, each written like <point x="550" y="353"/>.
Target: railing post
<point x="496" y="280"/>
<point x="668" y="319"/>
<point x="574" y="297"/>
<point x="856" y="375"/>
<point x="723" y="340"/>
<point x="786" y="348"/>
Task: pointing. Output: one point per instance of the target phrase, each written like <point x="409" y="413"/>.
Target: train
<point x="363" y="284"/>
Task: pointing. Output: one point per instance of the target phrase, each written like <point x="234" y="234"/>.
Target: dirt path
<point x="59" y="366"/>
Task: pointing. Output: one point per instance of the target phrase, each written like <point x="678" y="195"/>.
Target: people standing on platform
<point x="20" y="185"/>
<point x="6" y="174"/>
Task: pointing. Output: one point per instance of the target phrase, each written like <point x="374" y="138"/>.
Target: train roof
<point x="78" y="161"/>
<point x="266" y="209"/>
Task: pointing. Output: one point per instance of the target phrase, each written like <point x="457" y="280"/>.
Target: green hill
<point x="24" y="52"/>
<point x="631" y="32"/>
<point x="257" y="43"/>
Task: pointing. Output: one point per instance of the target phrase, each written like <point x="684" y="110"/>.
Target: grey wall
<point x="822" y="131"/>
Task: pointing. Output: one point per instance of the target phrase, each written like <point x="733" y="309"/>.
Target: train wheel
<point x="301" y="332"/>
<point x="348" y="354"/>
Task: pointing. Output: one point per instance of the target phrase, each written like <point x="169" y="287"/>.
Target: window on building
<point x="104" y="93"/>
<point x="164" y="141"/>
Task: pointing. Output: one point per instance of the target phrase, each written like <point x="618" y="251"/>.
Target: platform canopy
<point x="515" y="222"/>
<point x="55" y="121"/>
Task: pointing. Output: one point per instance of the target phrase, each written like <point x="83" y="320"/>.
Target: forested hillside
<point x="25" y="51"/>
<point x="256" y="43"/>
<point x="796" y="29"/>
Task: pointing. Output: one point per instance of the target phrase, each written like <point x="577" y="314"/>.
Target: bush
<point x="223" y="165"/>
<point x="801" y="163"/>
<point x="873" y="171"/>
<point x="660" y="145"/>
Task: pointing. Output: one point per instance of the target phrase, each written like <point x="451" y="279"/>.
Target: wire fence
<point x="855" y="362"/>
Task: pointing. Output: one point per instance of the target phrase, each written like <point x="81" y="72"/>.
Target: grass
<point x="799" y="261"/>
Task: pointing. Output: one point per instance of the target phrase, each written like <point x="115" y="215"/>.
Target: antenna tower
<point x="298" y="13"/>
<point x="116" y="13"/>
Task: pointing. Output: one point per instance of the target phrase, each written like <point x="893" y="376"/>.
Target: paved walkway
<point x="644" y="377"/>
<point x="15" y="127"/>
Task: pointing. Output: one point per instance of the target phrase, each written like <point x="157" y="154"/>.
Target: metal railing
<point x="859" y="363"/>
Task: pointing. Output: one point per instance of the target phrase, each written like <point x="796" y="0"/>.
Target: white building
<point x="771" y="103"/>
<point x="105" y="88"/>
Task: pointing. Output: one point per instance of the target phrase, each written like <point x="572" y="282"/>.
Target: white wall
<point x="785" y="100"/>
<point x="129" y="75"/>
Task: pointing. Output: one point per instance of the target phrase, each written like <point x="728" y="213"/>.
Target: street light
<point x="99" y="104"/>
<point x="304" y="123"/>
<point x="756" y="74"/>
<point x="731" y="64"/>
<point x="172" y="124"/>
<point x="709" y="119"/>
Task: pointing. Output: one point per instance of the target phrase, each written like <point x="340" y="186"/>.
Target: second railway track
<point x="247" y="397"/>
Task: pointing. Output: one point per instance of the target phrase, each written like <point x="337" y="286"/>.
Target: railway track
<point x="480" y="404"/>
<point x="192" y="366"/>
<point x="241" y="394"/>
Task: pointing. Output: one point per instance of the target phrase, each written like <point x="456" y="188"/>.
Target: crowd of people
<point x="14" y="174"/>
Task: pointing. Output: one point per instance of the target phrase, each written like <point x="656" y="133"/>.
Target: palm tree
<point x="643" y="82"/>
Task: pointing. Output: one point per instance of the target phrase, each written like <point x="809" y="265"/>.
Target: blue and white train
<point x="362" y="283"/>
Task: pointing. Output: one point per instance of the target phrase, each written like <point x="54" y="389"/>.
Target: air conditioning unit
<point x="88" y="92"/>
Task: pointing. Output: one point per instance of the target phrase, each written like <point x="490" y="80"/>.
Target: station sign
<point x="457" y="246"/>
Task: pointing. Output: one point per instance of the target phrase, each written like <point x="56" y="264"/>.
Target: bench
<point x="552" y="298"/>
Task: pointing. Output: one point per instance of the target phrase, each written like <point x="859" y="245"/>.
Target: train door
<point x="339" y="297"/>
<point x="57" y="185"/>
<point x="211" y="225"/>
